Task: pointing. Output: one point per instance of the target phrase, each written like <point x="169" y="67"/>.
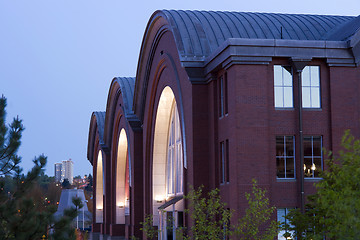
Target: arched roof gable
<point x="120" y="87"/>
<point x="97" y="124"/>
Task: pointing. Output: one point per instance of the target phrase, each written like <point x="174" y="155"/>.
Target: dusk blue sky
<point x="57" y="59"/>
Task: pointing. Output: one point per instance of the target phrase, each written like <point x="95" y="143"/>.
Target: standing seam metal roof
<point x="100" y="121"/>
<point x="201" y="32"/>
<point x="127" y="86"/>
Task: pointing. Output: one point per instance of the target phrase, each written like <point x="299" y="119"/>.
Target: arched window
<point x="174" y="176"/>
<point x="99" y="188"/>
<point x="122" y="179"/>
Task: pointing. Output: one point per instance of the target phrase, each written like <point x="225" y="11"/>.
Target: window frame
<point x="311" y="87"/>
<point x="174" y="158"/>
<point x="286" y="212"/>
<point x="224" y="162"/>
<point x="285" y="157"/>
<point x="223" y="95"/>
<point x="282" y="87"/>
<point x="312" y="157"/>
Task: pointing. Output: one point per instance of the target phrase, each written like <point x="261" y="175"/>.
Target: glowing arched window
<point x="99" y="188"/>
<point x="174" y="176"/>
<point x="122" y="179"/>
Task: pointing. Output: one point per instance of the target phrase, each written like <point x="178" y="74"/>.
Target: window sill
<point x="284" y="108"/>
<point x="312" y="109"/>
<point x="313" y="179"/>
<point x="223" y="184"/>
<point x="285" y="179"/>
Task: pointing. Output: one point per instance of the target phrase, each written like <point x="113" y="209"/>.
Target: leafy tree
<point x="334" y="211"/>
<point x="21" y="216"/>
<point x="257" y="215"/>
<point x="211" y="218"/>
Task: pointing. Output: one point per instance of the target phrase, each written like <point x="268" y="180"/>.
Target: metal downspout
<point x="301" y="148"/>
<point x="299" y="65"/>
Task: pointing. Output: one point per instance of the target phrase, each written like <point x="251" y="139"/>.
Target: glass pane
<point x="288" y="97"/>
<point x="279" y="100"/>
<point x="277" y="75"/>
<point x="317" y="146"/>
<point x="279" y="146"/>
<point x="315" y="76"/>
<point x="317" y="163"/>
<point x="289" y="146"/>
<point x="306" y="97"/>
<point x="305" y="76"/>
<point x="287" y="78"/>
<point x="307" y="171"/>
<point x="280" y="165"/>
<point x="307" y="146"/>
<point x="290" y="168"/>
<point x="315" y="97"/>
<point x="281" y="215"/>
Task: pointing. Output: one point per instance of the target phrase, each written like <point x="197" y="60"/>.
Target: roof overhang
<point x="262" y="51"/>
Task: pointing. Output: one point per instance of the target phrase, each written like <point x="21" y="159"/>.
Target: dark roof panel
<point x="100" y="121"/>
<point x="127" y="86"/>
<point x="198" y="33"/>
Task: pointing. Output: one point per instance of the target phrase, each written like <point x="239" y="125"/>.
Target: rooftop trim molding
<point x="261" y="51"/>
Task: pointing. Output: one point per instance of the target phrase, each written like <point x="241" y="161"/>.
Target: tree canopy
<point x="334" y="211"/>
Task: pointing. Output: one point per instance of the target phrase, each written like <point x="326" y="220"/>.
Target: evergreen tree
<point x="20" y="215"/>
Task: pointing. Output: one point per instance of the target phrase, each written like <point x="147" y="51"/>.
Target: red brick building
<point x="220" y="98"/>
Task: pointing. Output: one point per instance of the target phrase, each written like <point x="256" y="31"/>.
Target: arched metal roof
<point x="199" y="33"/>
<point x="100" y="122"/>
<point x="97" y="122"/>
<point x="127" y="86"/>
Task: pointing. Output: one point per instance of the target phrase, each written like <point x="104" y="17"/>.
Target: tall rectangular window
<point x="224" y="161"/>
<point x="313" y="159"/>
<point x="223" y="96"/>
<point x="310" y="80"/>
<point x="285" y="157"/>
<point x="283" y="87"/>
<point x="227" y="160"/>
<point x="281" y="214"/>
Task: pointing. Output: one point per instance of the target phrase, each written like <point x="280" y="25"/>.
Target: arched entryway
<point x="168" y="165"/>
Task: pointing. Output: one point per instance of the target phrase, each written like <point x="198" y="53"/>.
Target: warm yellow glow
<point x="159" y="198"/>
<point x="122" y="157"/>
<point x="99" y="187"/>
<point x="304" y="167"/>
<point x="313" y="167"/>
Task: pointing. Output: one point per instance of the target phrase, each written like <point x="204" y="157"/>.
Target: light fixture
<point x="313" y="167"/>
<point x="100" y="208"/>
<point x="159" y="199"/>
<point x="304" y="167"/>
<point x="121" y="205"/>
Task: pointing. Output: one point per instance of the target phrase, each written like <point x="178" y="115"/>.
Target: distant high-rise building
<point x="58" y="167"/>
<point x="67" y="170"/>
<point x="63" y="170"/>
